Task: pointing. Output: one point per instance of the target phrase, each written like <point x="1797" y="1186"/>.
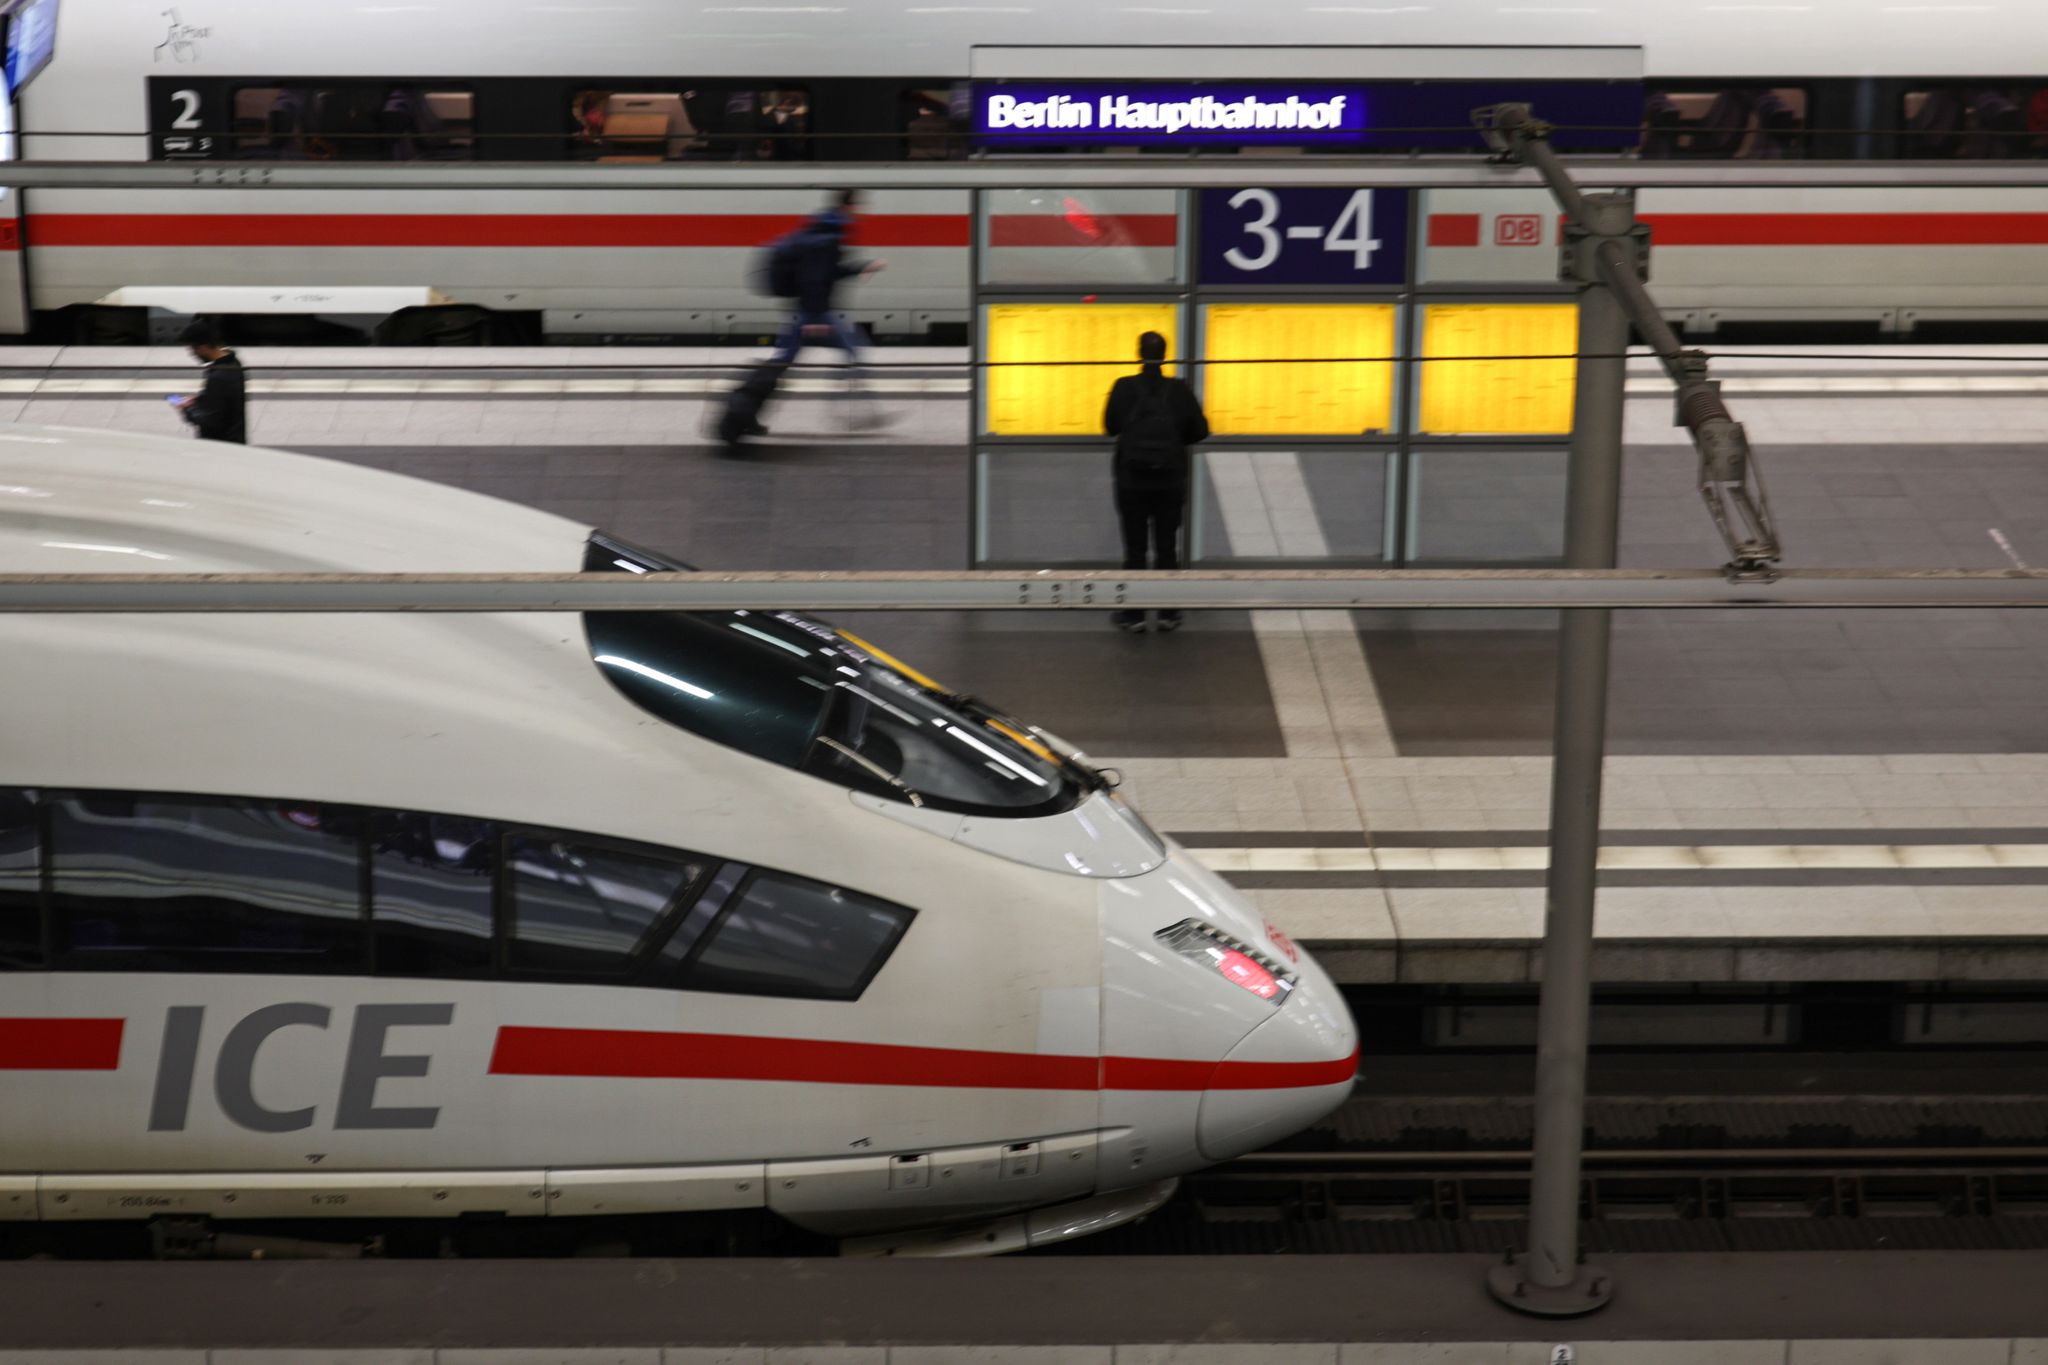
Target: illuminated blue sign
<point x="1378" y="116"/>
<point x="1151" y="113"/>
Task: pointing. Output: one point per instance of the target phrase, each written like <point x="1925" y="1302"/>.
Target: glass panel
<point x="1498" y="397"/>
<point x="21" y="932"/>
<point x="1316" y="504"/>
<point x="1750" y="123"/>
<point x="584" y="910"/>
<point x="1974" y="122"/>
<point x="430" y="894"/>
<point x="792" y="937"/>
<point x="230" y="886"/>
<point x="648" y="125"/>
<point x="1337" y="394"/>
<point x="1488" y="237"/>
<point x="1049" y="506"/>
<point x="1080" y="237"/>
<point x="1036" y="399"/>
<point x="1488" y="506"/>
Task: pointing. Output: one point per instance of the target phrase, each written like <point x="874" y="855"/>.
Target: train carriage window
<point x="431" y="882"/>
<point x="1742" y="123"/>
<point x="21" y="931"/>
<point x="585" y="910"/>
<point x="1981" y="122"/>
<point x="166" y="884"/>
<point x="935" y="123"/>
<point x="790" y="936"/>
<point x="356" y="121"/>
<point x="641" y="125"/>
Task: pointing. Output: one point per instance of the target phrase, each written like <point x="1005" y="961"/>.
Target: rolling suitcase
<point x="741" y="417"/>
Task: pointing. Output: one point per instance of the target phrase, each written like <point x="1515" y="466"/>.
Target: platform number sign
<point x="1323" y="237"/>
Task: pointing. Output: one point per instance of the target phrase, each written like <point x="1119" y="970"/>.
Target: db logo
<point x="1282" y="942"/>
<point x="1518" y="229"/>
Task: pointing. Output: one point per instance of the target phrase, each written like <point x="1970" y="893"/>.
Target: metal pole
<point x="1548" y="1279"/>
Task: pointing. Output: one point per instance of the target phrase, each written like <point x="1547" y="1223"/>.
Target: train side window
<point x="146" y="883"/>
<point x="358" y="121"/>
<point x="1974" y="122"/>
<point x="431" y="880"/>
<point x="790" y="936"/>
<point x="268" y="123"/>
<point x="21" y="922"/>
<point x="1743" y="123"/>
<point x="934" y="122"/>
<point x="642" y="125"/>
<point x="583" y="910"/>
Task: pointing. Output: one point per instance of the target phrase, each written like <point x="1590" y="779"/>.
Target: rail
<point x="1024" y="590"/>
<point x="1007" y="172"/>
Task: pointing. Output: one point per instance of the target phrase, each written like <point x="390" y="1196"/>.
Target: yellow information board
<point x="1064" y="400"/>
<point x="1338" y="390"/>
<point x="1498" y="397"/>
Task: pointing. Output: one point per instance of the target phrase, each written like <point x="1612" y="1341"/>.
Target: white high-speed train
<point x="405" y="916"/>
<point x="637" y="80"/>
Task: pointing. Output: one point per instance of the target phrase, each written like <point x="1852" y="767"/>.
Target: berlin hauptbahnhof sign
<point x="1362" y="116"/>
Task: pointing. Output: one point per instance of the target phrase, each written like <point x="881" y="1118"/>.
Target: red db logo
<point x="1518" y="229"/>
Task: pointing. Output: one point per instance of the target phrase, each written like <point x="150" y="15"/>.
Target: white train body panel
<point x="1024" y="1005"/>
<point x="585" y="283"/>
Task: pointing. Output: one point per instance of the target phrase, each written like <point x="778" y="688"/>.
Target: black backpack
<point x="777" y="268"/>
<point x="1150" y="441"/>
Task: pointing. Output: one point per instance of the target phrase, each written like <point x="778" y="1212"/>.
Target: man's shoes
<point x="1169" y="620"/>
<point x="755" y="428"/>
<point x="1130" y="622"/>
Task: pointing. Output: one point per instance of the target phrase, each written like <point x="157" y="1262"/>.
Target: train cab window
<point x="165" y="884"/>
<point x="801" y="694"/>
<point x="789" y="936"/>
<point x="1978" y="122"/>
<point x="431" y="894"/>
<point x="21" y="931"/>
<point x="1743" y="123"/>
<point x="584" y="910"/>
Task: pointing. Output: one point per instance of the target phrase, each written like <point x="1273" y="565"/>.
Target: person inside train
<point x="219" y="411"/>
<point x="1154" y="418"/>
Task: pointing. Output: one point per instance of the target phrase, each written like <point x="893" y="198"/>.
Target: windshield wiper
<point x="873" y="767"/>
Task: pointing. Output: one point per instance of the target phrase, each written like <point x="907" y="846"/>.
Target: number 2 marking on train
<point x="190" y="99"/>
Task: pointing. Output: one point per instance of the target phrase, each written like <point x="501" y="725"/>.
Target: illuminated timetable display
<point x="1330" y="393"/>
<point x="1498" y="397"/>
<point x="1064" y="400"/>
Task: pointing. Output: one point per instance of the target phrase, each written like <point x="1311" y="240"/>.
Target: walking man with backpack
<point x="1154" y="420"/>
<point x="805" y="267"/>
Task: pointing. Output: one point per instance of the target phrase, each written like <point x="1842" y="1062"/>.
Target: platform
<point x="1757" y="1308"/>
<point x="1806" y="797"/>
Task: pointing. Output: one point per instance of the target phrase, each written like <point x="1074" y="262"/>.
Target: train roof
<point x="74" y="500"/>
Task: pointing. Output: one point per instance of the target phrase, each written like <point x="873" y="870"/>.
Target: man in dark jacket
<point x="1154" y="420"/>
<point x="820" y="265"/>
<point x="219" y="410"/>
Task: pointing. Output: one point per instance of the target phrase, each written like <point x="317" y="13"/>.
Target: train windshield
<point x="803" y="694"/>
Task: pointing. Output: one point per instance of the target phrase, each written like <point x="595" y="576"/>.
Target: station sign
<point x="1355" y="116"/>
<point x="1303" y="237"/>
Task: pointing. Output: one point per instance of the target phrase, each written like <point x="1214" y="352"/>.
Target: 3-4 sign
<point x="1323" y="237"/>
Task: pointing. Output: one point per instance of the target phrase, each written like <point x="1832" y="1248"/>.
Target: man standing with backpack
<point x="806" y="267"/>
<point x="1154" y="420"/>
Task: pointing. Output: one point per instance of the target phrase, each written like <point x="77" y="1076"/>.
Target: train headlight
<point x="1229" y="957"/>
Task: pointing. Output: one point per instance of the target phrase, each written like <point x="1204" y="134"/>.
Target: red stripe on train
<point x="60" y="1044"/>
<point x="473" y="229"/>
<point x="1453" y="229"/>
<point x="524" y="1051"/>
<point x="1077" y="227"/>
<point x="1848" y="229"/>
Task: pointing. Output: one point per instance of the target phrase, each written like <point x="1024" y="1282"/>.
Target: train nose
<point x="1291" y="1071"/>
